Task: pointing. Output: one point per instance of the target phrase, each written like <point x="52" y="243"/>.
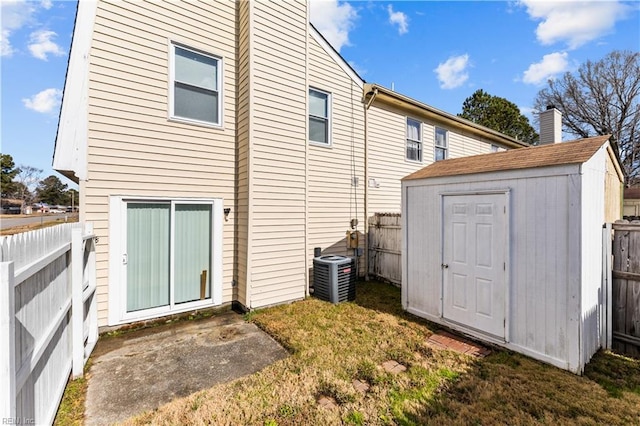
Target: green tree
<point x="52" y="191"/>
<point x="498" y="114"/>
<point x="9" y="172"/>
<point x="602" y="98"/>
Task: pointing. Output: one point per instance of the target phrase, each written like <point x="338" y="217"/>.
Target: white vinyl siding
<point x="319" y="117"/>
<point x="132" y="148"/>
<point x="414" y="140"/>
<point x="195" y="90"/>
<point x="441" y="144"/>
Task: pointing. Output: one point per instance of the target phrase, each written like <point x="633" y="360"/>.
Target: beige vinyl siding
<point x="613" y="191"/>
<point x="332" y="200"/>
<point x="134" y="150"/>
<point x="278" y="152"/>
<point x="244" y="151"/>
<point x="459" y="145"/>
<point x="464" y="146"/>
<point x="387" y="153"/>
<point x="386" y="137"/>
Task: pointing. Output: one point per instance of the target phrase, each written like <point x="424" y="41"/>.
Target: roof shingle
<point x="573" y="152"/>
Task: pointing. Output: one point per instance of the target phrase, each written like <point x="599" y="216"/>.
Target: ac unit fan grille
<point x="334" y="278"/>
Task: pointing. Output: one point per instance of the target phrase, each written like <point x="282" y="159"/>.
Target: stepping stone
<point x="444" y="340"/>
<point x="327" y="402"/>
<point x="360" y="386"/>
<point x="394" y="367"/>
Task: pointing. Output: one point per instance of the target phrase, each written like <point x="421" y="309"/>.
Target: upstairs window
<point x="442" y="144"/>
<point x="195" y="86"/>
<point x="319" y="117"/>
<point x="414" y="140"/>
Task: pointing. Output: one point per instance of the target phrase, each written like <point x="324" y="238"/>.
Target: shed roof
<point x="631" y="193"/>
<point x="573" y="152"/>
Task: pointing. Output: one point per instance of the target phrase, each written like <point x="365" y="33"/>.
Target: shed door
<point x="474" y="259"/>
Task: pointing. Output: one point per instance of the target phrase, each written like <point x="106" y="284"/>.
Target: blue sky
<point x="438" y="52"/>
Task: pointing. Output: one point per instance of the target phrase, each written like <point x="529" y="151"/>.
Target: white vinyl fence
<point x="48" y="318"/>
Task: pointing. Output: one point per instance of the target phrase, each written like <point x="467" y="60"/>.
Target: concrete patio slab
<point x="142" y="370"/>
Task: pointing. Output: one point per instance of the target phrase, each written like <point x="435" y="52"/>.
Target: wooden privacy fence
<point x="48" y="318"/>
<point x="626" y="289"/>
<point x="385" y="240"/>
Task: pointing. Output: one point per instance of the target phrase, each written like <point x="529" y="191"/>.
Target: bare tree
<point x="602" y="98"/>
<point x="26" y="178"/>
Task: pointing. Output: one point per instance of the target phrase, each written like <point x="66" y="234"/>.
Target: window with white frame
<point x="441" y="144"/>
<point x="319" y="117"/>
<point x="195" y="86"/>
<point x="414" y="140"/>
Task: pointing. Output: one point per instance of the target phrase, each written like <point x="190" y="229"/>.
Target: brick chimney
<point x="550" y="126"/>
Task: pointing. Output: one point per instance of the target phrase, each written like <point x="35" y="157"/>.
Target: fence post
<point x="91" y="274"/>
<point x="8" y="370"/>
<point x="608" y="253"/>
<point x="77" y="305"/>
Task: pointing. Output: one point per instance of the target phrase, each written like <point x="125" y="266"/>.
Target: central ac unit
<point x="334" y="278"/>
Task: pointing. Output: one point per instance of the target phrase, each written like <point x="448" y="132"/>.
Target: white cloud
<point x="399" y="19"/>
<point x="45" y="102"/>
<point x="5" y="45"/>
<point x="47" y="4"/>
<point x="453" y="72"/>
<point x="550" y="66"/>
<point x="15" y="14"/>
<point x="334" y="20"/>
<point x="574" y="22"/>
<point x="41" y="44"/>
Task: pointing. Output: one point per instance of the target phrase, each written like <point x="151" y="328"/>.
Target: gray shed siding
<point x="544" y="264"/>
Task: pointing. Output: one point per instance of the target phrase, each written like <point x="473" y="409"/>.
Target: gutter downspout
<point x="367" y="105"/>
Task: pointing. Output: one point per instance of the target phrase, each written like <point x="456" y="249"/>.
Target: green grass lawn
<point x="333" y="345"/>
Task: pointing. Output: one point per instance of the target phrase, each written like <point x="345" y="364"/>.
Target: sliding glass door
<point x="192" y="252"/>
<point x="148" y="255"/>
<point x="168" y="255"/>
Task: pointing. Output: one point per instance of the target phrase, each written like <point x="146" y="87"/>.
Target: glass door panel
<point x="148" y="257"/>
<point x="192" y="252"/>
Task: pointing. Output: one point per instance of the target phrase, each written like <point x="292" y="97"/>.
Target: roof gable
<point x="333" y="53"/>
<point x="574" y="152"/>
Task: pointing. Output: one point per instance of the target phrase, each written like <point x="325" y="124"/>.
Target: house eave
<point x="69" y="174"/>
<point x="391" y="98"/>
<point x="70" y="150"/>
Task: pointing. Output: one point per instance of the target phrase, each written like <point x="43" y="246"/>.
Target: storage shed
<point x="507" y="247"/>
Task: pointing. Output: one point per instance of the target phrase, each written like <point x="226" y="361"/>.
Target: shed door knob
<point x="444" y="266"/>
